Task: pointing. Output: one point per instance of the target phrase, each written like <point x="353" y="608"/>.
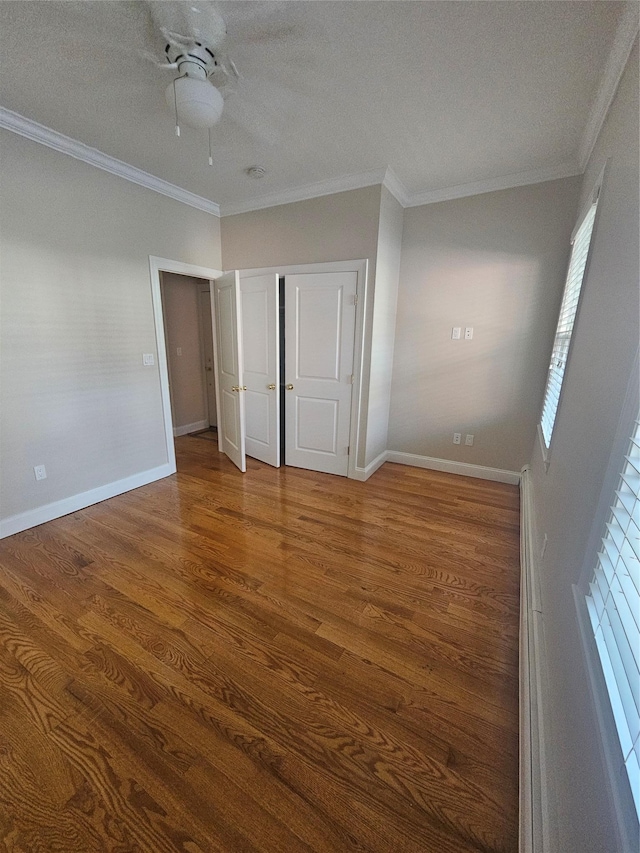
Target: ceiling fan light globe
<point x="198" y="102"/>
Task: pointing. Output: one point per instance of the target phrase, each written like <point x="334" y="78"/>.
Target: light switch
<point x="179" y="351"/>
<point x="468" y="440"/>
<point x="468" y="333"/>
<point x="455" y="333"/>
<point x="148" y="359"/>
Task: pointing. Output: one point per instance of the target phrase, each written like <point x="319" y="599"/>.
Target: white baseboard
<point x="33" y="517"/>
<point x="535" y="783"/>
<point x="187" y="428"/>
<point x="449" y="466"/>
<point x="363" y="474"/>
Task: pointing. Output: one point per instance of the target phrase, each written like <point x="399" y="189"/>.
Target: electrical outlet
<point x="457" y="437"/>
<point x="468" y="333"/>
<point x="179" y="350"/>
<point x="148" y="359"/>
<point x="468" y="440"/>
<point x="40" y="471"/>
<point x="455" y="333"/>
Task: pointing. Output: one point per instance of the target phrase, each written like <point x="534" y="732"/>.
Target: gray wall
<point x="601" y="365"/>
<point x="495" y="262"/>
<point x="181" y="312"/>
<point x="76" y="318"/>
<point x="339" y="227"/>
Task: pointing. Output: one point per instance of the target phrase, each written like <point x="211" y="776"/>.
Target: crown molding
<point x="30" y="129"/>
<point x="390" y="180"/>
<point x="616" y="63"/>
<point x="44" y="135"/>
<point x="308" y="191"/>
<point x="504" y="182"/>
<point x="395" y="186"/>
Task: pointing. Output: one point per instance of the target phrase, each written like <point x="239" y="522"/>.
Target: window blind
<point x="577" y="264"/>
<point x="614" y="608"/>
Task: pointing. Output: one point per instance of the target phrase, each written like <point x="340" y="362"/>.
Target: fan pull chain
<point x="175" y="106"/>
<point x="210" y="154"/>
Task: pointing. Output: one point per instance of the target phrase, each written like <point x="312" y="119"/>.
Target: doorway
<point x="186" y="311"/>
<point x="297" y="352"/>
<point x="168" y="346"/>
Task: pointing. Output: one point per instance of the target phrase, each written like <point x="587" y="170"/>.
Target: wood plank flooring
<point x="280" y="661"/>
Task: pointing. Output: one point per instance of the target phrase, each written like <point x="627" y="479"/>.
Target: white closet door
<point x="229" y="372"/>
<point x="319" y="328"/>
<point x="260" y="335"/>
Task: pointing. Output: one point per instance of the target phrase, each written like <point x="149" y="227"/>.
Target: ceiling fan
<point x="193" y="42"/>
<point x="194" y="33"/>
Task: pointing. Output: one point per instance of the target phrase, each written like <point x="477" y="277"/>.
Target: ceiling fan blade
<point x="161" y="63"/>
<point x="245" y="106"/>
<point x="184" y="22"/>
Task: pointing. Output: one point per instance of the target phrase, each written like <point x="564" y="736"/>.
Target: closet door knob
<point x="271" y="387"/>
<point x="289" y="387"/>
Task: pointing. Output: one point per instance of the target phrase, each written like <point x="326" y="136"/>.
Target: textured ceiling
<point x="445" y="93"/>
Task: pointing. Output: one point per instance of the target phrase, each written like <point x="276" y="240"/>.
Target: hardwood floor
<point x="280" y="661"/>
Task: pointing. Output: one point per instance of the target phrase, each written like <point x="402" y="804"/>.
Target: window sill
<point x="544" y="450"/>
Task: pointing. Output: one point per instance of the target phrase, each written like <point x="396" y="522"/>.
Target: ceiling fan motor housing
<point x="193" y="60"/>
<point x="196" y="100"/>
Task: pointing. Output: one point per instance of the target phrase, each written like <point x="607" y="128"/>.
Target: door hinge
<point x="348" y="450"/>
<point x="355" y="298"/>
<point x="351" y="379"/>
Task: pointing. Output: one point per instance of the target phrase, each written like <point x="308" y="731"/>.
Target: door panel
<point x="227" y="330"/>
<point x="256" y="320"/>
<point x="260" y="322"/>
<point x="231" y="421"/>
<point x="320" y="328"/>
<point x="229" y="375"/>
<point x="317" y="424"/>
<point x="256" y="406"/>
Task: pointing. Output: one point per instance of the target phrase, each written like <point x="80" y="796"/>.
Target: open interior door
<point x="229" y="368"/>
<point x="261" y="361"/>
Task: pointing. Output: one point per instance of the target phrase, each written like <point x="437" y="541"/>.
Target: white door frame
<point x="362" y="268"/>
<point x="156" y="266"/>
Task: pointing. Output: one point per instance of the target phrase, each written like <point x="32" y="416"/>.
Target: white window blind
<point x="577" y="264"/>
<point x="614" y="608"/>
